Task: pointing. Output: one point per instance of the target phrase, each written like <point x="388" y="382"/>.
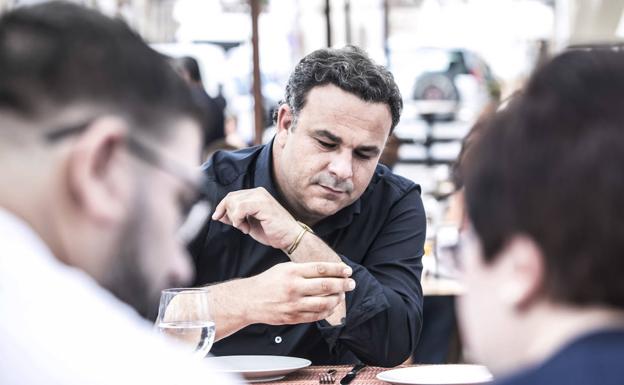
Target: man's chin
<point x="325" y="208"/>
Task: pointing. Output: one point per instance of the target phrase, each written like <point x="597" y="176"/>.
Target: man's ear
<point x="97" y="176"/>
<point x="522" y="263"/>
<point x="284" y="123"/>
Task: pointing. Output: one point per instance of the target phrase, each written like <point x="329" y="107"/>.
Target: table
<point x="310" y="375"/>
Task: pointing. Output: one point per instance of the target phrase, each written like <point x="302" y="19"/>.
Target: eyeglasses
<point x="195" y="210"/>
<point x="451" y="246"/>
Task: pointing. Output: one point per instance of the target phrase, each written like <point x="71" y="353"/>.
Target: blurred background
<point x="453" y="60"/>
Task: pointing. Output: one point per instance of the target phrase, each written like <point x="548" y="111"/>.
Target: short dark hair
<point x="189" y="65"/>
<point x="57" y="55"/>
<point x="549" y="166"/>
<point x="349" y="68"/>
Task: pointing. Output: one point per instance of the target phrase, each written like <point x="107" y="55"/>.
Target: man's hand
<point x="287" y="293"/>
<point x="292" y="293"/>
<point x="257" y="213"/>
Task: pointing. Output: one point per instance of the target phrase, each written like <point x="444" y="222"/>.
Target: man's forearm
<point x="313" y="249"/>
<point x="229" y="313"/>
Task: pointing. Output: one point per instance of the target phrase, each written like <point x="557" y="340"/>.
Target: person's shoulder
<point x="385" y="179"/>
<point x="592" y="359"/>
<point x="225" y="167"/>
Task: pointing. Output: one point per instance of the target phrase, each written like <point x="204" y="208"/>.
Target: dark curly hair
<point x="549" y="166"/>
<point x="349" y="68"/>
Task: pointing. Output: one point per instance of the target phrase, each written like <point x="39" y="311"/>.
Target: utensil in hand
<point x="327" y="377"/>
<point x="351" y="375"/>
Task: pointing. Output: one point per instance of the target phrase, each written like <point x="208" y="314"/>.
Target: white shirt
<point x="58" y="326"/>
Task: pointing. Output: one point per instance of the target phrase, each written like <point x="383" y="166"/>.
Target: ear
<point x="97" y="176"/>
<point x="522" y="266"/>
<point x="284" y="123"/>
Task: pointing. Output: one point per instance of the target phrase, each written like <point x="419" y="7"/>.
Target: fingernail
<point x="351" y="284"/>
<point x="347" y="271"/>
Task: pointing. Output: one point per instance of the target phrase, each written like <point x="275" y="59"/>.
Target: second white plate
<point x="438" y="375"/>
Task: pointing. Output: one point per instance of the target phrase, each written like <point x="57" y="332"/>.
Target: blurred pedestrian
<point x="213" y="118"/>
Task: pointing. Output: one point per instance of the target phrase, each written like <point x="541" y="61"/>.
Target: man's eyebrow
<point x="328" y="135"/>
<point x="373" y="149"/>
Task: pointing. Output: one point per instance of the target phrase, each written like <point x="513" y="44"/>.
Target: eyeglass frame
<point x="456" y="250"/>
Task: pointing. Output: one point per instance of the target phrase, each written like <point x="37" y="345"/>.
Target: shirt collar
<point x="263" y="177"/>
<point x="263" y="174"/>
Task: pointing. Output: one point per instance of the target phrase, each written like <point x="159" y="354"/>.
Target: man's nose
<point x="341" y="165"/>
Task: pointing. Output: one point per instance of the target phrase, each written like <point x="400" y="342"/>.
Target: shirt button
<point x="278" y="340"/>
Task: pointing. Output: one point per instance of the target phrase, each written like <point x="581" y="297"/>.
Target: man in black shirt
<point x="316" y="193"/>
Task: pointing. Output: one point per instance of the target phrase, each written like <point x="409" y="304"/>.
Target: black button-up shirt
<point x="380" y="235"/>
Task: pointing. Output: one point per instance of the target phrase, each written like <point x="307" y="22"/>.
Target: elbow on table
<point x="389" y="360"/>
<point x="392" y="354"/>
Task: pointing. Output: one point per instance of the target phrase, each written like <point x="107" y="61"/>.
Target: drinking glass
<point x="184" y="314"/>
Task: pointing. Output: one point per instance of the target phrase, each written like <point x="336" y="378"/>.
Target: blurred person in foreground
<point x="213" y="118"/>
<point x="317" y="193"/>
<point x="98" y="143"/>
<point x="543" y="246"/>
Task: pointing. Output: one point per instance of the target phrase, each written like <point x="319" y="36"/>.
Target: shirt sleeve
<point x="384" y="312"/>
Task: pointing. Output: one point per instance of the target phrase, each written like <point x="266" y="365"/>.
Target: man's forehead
<point x="347" y="128"/>
<point x="330" y="101"/>
<point x="332" y="95"/>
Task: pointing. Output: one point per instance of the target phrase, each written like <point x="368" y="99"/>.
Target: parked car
<point x="448" y="81"/>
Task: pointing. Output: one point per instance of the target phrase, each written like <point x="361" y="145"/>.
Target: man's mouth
<point x="332" y="190"/>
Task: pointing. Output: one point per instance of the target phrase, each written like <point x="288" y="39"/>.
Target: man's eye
<point x="362" y="155"/>
<point x="327" y="145"/>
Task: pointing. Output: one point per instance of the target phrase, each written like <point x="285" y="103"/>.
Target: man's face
<point x="149" y="256"/>
<point x="327" y="160"/>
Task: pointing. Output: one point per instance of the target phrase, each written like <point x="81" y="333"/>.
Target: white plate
<point x="438" y="375"/>
<point x="260" y="368"/>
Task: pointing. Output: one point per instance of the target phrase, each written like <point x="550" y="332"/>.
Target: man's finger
<point x="219" y="211"/>
<point x="327" y="286"/>
<point x="225" y="219"/>
<point x="322" y="305"/>
<point x="243" y="226"/>
<point x="323" y="269"/>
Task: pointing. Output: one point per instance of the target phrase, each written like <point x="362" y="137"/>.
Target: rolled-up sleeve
<point x="384" y="312"/>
